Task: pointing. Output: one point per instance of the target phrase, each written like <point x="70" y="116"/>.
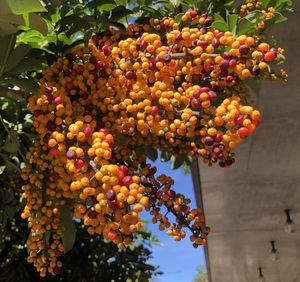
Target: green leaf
<point x="151" y="153"/>
<point x="245" y="26"/>
<point x="6" y="46"/>
<point x="16" y="56"/>
<point x="177" y="162"/>
<point x="232" y="21"/>
<point x="68" y="224"/>
<point x="151" y="12"/>
<point x="219" y="22"/>
<point x="10" y="211"/>
<point x="9" y="109"/>
<point x="279" y="18"/>
<point x="218" y="17"/>
<point x="122" y="139"/>
<point x="7" y="28"/>
<point x="38" y="23"/>
<point x="20" y="7"/>
<point x="26" y="65"/>
<point x="98" y="3"/>
<point x="11" y="167"/>
<point x="229" y="4"/>
<point x="11" y="144"/>
<point x="25" y="84"/>
<point x="282" y="3"/>
<point x="2" y="169"/>
<point x="119" y="12"/>
<point x="165" y="156"/>
<point x="220" y="25"/>
<point x="8" y="20"/>
<point x="265" y="3"/>
<point x="178" y="17"/>
<point x="139" y="150"/>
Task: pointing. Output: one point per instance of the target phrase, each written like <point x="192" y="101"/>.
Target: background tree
<point x="201" y="275"/>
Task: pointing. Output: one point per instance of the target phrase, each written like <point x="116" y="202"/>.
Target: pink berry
<point x="171" y="194"/>
<point x="195" y="103"/>
<point x="87" y="131"/>
<point x="58" y="100"/>
<point x="124" y="169"/>
<point x="219" y="137"/>
<point x="127" y="180"/>
<point x="232" y="64"/>
<point x="104" y="130"/>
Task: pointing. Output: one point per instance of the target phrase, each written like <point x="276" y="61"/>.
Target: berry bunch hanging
<point x="172" y="87"/>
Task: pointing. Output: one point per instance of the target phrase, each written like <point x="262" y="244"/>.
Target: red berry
<point x="220" y="34"/>
<point x="195" y="103"/>
<point x="208" y="141"/>
<point x="178" y="37"/>
<point x="92" y="214"/>
<point x="171" y="194"/>
<point x="154" y="110"/>
<point x="227" y="56"/>
<point x="243" y="131"/>
<point x="93" y="60"/>
<point x="112" y="205"/>
<point x="270" y="56"/>
<point x="207" y="67"/>
<point x="79" y="164"/>
<point x="232" y="64"/>
<point x="256" y="122"/>
<point x="56" y="270"/>
<point x="49" y="89"/>
<point x="110" y="195"/>
<point x="37" y="113"/>
<point x="215" y="43"/>
<point x="152" y="198"/>
<point x="112" y="235"/>
<point x="58" y="253"/>
<point x="196" y="93"/>
<point x="208" y="22"/>
<point x="202" y="44"/>
<point x="184" y="208"/>
<point x="130" y="75"/>
<point x="109" y="142"/>
<point x="71" y="57"/>
<point x="244" y="49"/>
<point x="204" y="90"/>
<point x="124" y="169"/>
<point x="143" y="45"/>
<point x="95" y="38"/>
<point x="193" y="14"/>
<point x="106" y="50"/>
<point x="224" y="65"/>
<point x="239" y="119"/>
<point x="219" y="137"/>
<point x="100" y="65"/>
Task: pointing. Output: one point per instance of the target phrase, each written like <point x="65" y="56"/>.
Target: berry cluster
<point x="173" y="86"/>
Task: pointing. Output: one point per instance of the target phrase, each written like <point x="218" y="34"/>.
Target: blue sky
<point x="178" y="260"/>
